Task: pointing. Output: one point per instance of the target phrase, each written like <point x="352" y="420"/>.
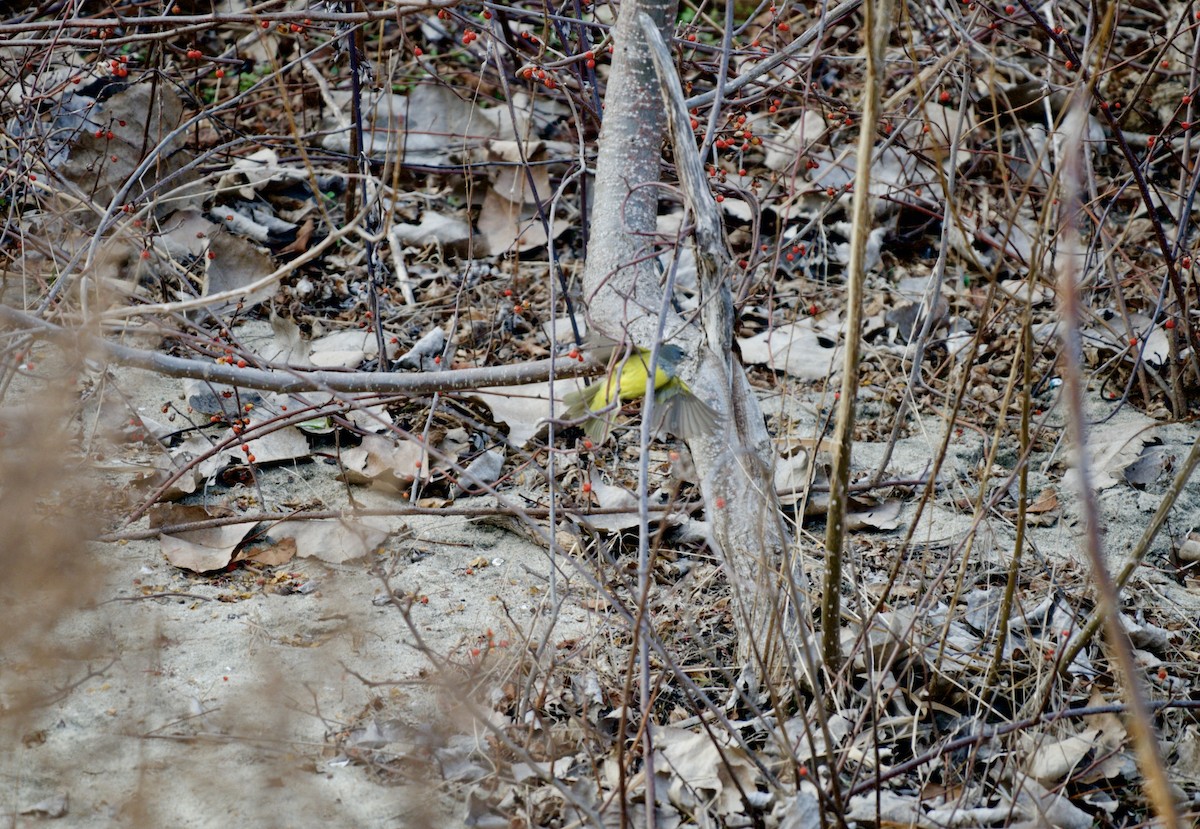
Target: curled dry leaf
<point x="232" y="263"/>
<point x="343" y="349"/>
<point x="333" y="540"/>
<point x="700" y="772"/>
<point x="200" y="551"/>
<point x="523" y="409"/>
<point x="798" y="349"/>
<point x="382" y="461"/>
<point x="1046" y="501"/>
<point x="884" y="515"/>
<point x="268" y="551"/>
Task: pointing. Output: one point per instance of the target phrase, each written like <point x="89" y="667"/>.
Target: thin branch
<point x="289" y="380"/>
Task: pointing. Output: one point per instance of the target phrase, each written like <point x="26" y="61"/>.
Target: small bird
<point x="679" y="411"/>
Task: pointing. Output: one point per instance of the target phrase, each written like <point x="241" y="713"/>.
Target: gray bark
<point x="734" y="462"/>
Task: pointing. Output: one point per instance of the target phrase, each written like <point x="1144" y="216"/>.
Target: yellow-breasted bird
<point x="678" y="410"/>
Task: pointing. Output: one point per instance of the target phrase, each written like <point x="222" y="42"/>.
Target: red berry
<point x="1010" y="9"/>
<point x="1169" y="324"/>
<point x="944" y="97"/>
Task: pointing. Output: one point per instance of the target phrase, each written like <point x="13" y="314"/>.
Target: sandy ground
<point x="135" y="694"/>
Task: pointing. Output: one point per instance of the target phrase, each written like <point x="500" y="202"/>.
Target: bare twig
<point x="1140" y="725"/>
<point x="876" y="26"/>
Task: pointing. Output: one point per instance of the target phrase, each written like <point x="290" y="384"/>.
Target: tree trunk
<point x="624" y="299"/>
